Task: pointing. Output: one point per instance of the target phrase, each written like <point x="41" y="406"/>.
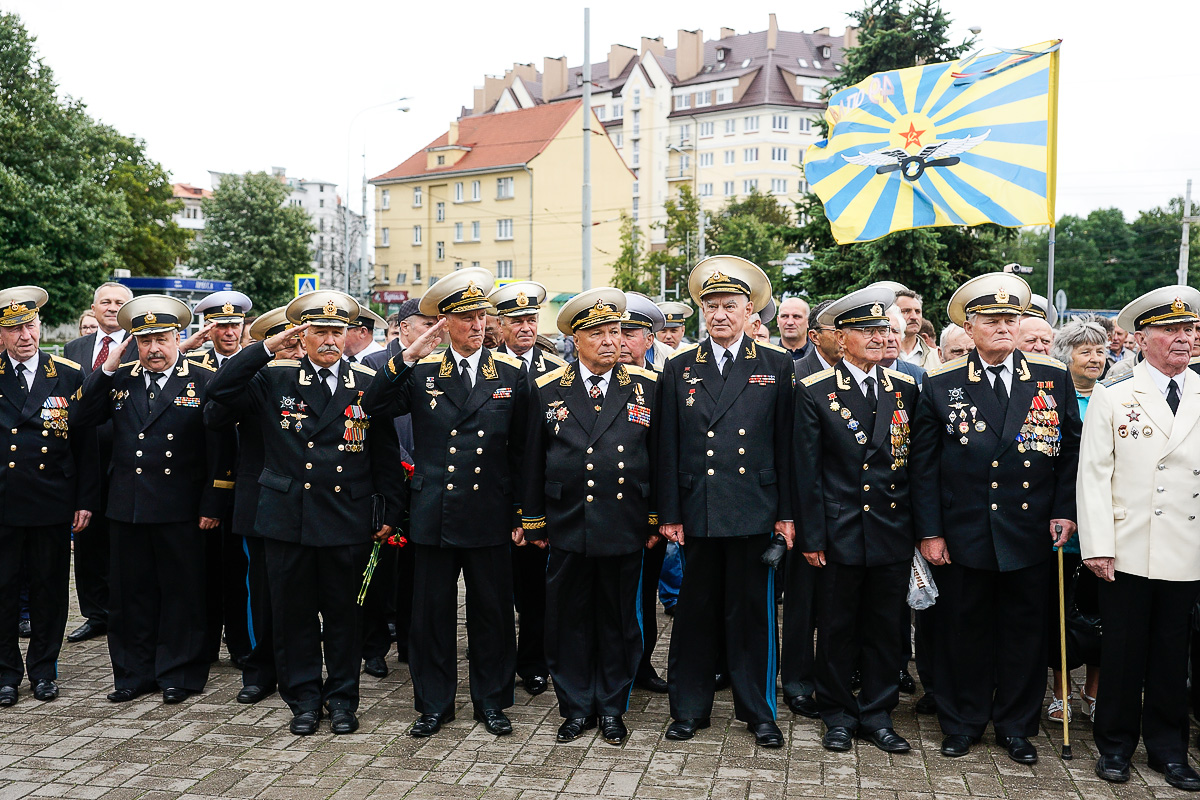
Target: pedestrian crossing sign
<point x="306" y="282"/>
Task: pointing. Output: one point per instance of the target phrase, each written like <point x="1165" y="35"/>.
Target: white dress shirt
<point x="332" y="380"/>
<point x="860" y="377"/>
<point x="1163" y="382"/>
<point x="472" y="362"/>
<point x="733" y="350"/>
<point x="1006" y="374"/>
<point x="31" y="365"/>
<point x="116" y="336"/>
<point x="586" y="373"/>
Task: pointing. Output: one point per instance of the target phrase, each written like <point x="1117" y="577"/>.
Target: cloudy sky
<point x="237" y="86"/>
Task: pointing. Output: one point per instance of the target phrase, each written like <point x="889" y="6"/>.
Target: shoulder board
<point x="550" y="377"/>
<point x="558" y="362"/>
<point x="129" y="364"/>
<point x="957" y="363"/>
<point x="284" y="362"/>
<point x="432" y="358"/>
<point x="198" y="355"/>
<point x="817" y="376"/>
<point x="649" y="374"/>
<point x="66" y="362"/>
<point x="505" y="358"/>
<point x="1194" y="361"/>
<point x="1114" y="381"/>
<point x="901" y="376"/>
<point x="687" y="348"/>
<point x="202" y="365"/>
<point x="771" y="346"/>
<point x="1047" y="361"/>
<point x="363" y="368"/>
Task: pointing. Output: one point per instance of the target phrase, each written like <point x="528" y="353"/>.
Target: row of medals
<point x="899" y="429"/>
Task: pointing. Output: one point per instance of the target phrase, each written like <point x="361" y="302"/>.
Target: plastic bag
<point x="922" y="591"/>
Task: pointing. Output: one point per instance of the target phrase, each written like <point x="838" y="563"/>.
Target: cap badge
<point x="1001" y="295"/>
<point x="472" y="290"/>
<point x="877" y="310"/>
<point x="1178" y="305"/>
<point x="150" y="318"/>
<point x="227" y="308"/>
<point x="16" y="307"/>
<point x="522" y="299"/>
<point x="716" y="277"/>
<point x="331" y="308"/>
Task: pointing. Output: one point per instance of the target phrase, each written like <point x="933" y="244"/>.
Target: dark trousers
<point x="214" y="592"/>
<point x="652" y="564"/>
<point x="91" y="546"/>
<point x="593" y="630"/>
<point x="491" y="633"/>
<point x="258" y="667"/>
<point x="405" y="560"/>
<point x="991" y="649"/>
<point x="375" y="608"/>
<point x="314" y="601"/>
<point x="529" y="598"/>
<point x="156" y="619"/>
<point x="862" y="613"/>
<point x="799" y="625"/>
<point x="924" y="631"/>
<point x="46" y="552"/>
<point x="1144" y="649"/>
<point x="726" y="588"/>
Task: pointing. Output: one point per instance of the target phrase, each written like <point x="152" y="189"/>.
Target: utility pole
<point x="1185" y="244"/>
<point x="586" y="208"/>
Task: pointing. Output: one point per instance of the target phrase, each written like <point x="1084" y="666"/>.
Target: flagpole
<point x="1052" y="171"/>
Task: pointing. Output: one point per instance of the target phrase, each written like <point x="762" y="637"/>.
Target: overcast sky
<point x="237" y="86"/>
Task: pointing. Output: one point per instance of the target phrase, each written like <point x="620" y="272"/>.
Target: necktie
<point x="464" y="372"/>
<point x="726" y="360"/>
<point x="324" y="373"/>
<point x="352" y="359"/>
<point x="869" y="389"/>
<point x="152" y="388"/>
<point x="22" y="369"/>
<point x="595" y="392"/>
<point x="1173" y="396"/>
<point x="102" y="356"/>
<point x="998" y="385"/>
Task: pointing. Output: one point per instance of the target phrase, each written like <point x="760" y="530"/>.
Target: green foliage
<point x="630" y="271"/>
<point x="253" y="239"/>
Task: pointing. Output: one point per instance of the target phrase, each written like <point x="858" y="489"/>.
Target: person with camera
<point x="851" y="440"/>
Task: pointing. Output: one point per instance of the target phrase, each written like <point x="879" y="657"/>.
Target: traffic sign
<point x="1060" y="302"/>
<point x="303" y="283"/>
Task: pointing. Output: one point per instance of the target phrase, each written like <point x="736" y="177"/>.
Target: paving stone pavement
<point x="82" y="746"/>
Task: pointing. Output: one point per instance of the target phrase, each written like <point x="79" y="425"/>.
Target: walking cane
<point x="1062" y="650"/>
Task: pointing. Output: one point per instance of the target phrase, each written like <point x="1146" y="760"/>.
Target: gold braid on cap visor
<point x="595" y="315"/>
<point x="719" y="283"/>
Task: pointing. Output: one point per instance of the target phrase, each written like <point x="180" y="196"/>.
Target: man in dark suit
<point x="468" y="409"/>
<point x="168" y="484"/>
<point x="330" y="480"/>
<point x="91" y="545"/>
<point x="517" y="308"/>
<point x="49" y="489"/>
<point x="858" y="531"/>
<point x="994" y="452"/>
<point x="726" y="452"/>
<point x="589" y="467"/>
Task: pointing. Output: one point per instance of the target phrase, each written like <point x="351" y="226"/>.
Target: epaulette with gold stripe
<point x="363" y="368"/>
<point x="553" y="359"/>
<point x="284" y="362"/>
<point x="957" y="363"/>
<point x="897" y="374"/>
<point x="1114" y="381"/>
<point x="686" y="348"/>
<point x="129" y="364"/>
<point x="202" y="365"/>
<point x="432" y="358"/>
<point x="505" y="358"/>
<point x="817" y="377"/>
<point x="551" y="376"/>
<point x="645" y="373"/>
<point x="1046" y="361"/>
<point x="772" y="346"/>
<point x="66" y="362"/>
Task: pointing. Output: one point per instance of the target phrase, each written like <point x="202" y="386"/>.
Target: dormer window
<point x="825" y="51"/>
<point x="721" y="51"/>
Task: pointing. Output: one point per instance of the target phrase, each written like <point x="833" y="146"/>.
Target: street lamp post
<point x="347" y="211"/>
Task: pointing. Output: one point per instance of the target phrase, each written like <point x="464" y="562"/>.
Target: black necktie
<point x="352" y="359"/>
<point x="726" y="360"/>
<point x="1173" y="396"/>
<point x="464" y="372"/>
<point x="595" y="392"/>
<point x="152" y="388"/>
<point x="324" y="373"/>
<point x="22" y="369"/>
<point x="869" y="389"/>
<point x="998" y="386"/>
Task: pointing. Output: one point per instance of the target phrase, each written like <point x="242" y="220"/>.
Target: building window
<point x="441" y="251"/>
<point x="805" y="125"/>
<point x="417" y="199"/>
<point x="728" y="188"/>
<point x="637" y="122"/>
<point x="416" y="234"/>
<point x="749" y="186"/>
<point x="779" y="122"/>
<point x="635" y="212"/>
<point x="706" y="159"/>
<point x="385" y="237"/>
<point x="706" y="130"/>
<point x="724" y="96"/>
<point x="504" y="229"/>
<point x="416" y="273"/>
<point x="475" y="265"/>
<point x="321" y="203"/>
<point x="384" y="268"/>
<point x="504" y="188"/>
<point x="706" y="190"/>
<point x="441" y="161"/>
<point x="504" y="269"/>
<point x="685" y="133"/>
<point x="730" y="127"/>
<point x="751" y="124"/>
<point x="619" y="140"/>
<point x="779" y="185"/>
<point x="803" y="187"/>
<point x="636" y="151"/>
<point x="458" y="192"/>
<point x="779" y="154"/>
<point x="618" y="110"/>
<point x="475" y="231"/>
<point x="441" y="212"/>
<point x="599" y="112"/>
<point x="730" y="156"/>
<point x="322" y="223"/>
<point x="635" y="188"/>
<point x="683" y="101"/>
<point x="685" y="162"/>
<point x="637" y="97"/>
<point x="750" y="155"/>
<point x="457" y="266"/>
<point x="386" y="199"/>
<point x="476" y="191"/>
<point x="704" y="98"/>
<point x="812" y="94"/>
<point x="458" y="231"/>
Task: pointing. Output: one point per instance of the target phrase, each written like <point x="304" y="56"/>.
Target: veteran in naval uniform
<point x="49" y="488"/>
<point x="1139" y="462"/>
<point x="171" y="479"/>
<point x="469" y="415"/>
<point x="995" y="448"/>
<point x="518" y="306"/>
<point x="588" y="494"/>
<point x="852" y="439"/>
<point x="725" y="450"/>
<point x="675" y="316"/>
<point x="330" y="480"/>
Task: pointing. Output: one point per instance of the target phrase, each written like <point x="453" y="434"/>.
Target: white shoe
<point x="1089" y="706"/>
<point x="1055" y="711"/>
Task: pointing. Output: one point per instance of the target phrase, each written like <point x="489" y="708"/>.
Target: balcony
<point x="680" y="174"/>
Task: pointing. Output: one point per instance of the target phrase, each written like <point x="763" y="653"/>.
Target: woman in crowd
<point x="88" y="324"/>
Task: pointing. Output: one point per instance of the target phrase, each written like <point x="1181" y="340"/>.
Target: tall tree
<point x="630" y="270"/>
<point x="253" y="239"/>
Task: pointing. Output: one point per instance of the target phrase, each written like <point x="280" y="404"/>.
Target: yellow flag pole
<point x="1062" y="650"/>
<point x="1051" y="167"/>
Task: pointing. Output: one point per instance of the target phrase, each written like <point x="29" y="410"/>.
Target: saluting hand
<point x="113" y="362"/>
<point x="934" y="551"/>
<point x="197" y="339"/>
<point x="426" y="343"/>
<point x="284" y="338"/>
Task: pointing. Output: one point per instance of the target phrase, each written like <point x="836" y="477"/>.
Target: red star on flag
<point x="912" y="137"/>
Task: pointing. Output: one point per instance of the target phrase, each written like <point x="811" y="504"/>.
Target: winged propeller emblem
<point x="938" y="154"/>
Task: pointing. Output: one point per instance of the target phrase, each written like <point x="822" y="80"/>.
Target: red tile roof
<point x="496" y="140"/>
<point x="182" y="190"/>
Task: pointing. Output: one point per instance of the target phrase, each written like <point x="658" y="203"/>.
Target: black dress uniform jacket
<point x="319" y="485"/>
<point x="726" y="474"/>
<point x="849" y="478"/>
<point x="51" y="468"/>
<point x="543" y="362"/>
<point x="589" y="476"/>
<point x="991" y="482"/>
<point x="468" y="445"/>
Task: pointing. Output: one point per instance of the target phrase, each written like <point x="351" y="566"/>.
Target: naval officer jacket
<point x="725" y="443"/>
<point x="543" y="362"/>
<point x="467" y="446"/>
<point x="589" y="475"/>
<point x="992" y="481"/>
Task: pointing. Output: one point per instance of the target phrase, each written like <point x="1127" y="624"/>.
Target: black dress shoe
<point x="926" y="705"/>
<point x="24" y="629"/>
<point x="613" y="730"/>
<point x="839" y="739"/>
<point x="683" y="729"/>
<point x="123" y="695"/>
<point x="376" y="667"/>
<point x="1020" y="749"/>
<point x="494" y="720"/>
<point x="766" y="734"/>
<point x="957" y="745"/>
<point x="88" y="630"/>
<point x="250" y="695"/>
<point x="573" y="728"/>
<point x="342" y="722"/>
<point x="651" y="682"/>
<point x="429" y="724"/>
<point x="174" y="695"/>
<point x="804" y="705"/>
<point x="305" y="723"/>
<point x="888" y="741"/>
<point x="721" y="681"/>
<point x="1114" y="769"/>
<point x="1178" y="774"/>
<point x="907" y="684"/>
<point x="45" y="690"/>
<point x="8" y="696"/>
<point x="535" y="684"/>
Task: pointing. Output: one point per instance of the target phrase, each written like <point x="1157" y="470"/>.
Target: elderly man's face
<point x="725" y="316"/>
<point x="413" y="326"/>
<point x="957" y="345"/>
<point x="324" y="344"/>
<point x="635" y="341"/>
<point x="894" y="334"/>
<point x="21" y="341"/>
<point x="1168" y="348"/>
<point x="910" y="308"/>
<point x="1035" y="336"/>
<point x="491" y="332"/>
<point x="864" y="347"/>
<point x="158" y="352"/>
<point x="599" y="346"/>
<point x="995" y="335"/>
<point x="519" y="333"/>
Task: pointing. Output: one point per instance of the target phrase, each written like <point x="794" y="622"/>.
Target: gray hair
<point x="114" y="285"/>
<point x="950" y="330"/>
<point x="1077" y="332"/>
